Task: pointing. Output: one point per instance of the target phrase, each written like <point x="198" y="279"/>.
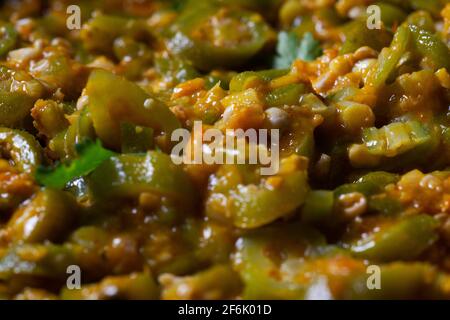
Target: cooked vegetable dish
<point x="93" y="205"/>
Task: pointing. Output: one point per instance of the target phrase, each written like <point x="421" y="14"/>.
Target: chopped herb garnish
<point x="90" y="155"/>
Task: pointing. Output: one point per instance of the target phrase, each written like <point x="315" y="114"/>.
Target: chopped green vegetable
<point x="395" y="138"/>
<point x="8" y="37"/>
<point x="90" y="156"/>
<point x="403" y="240"/>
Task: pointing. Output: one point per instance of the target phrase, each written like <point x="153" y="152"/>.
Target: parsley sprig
<point x="291" y="47"/>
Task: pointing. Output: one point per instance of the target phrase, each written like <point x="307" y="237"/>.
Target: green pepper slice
<point x="206" y="35"/>
<point x="46" y="217"/>
<point x="114" y="100"/>
<point x="135" y="286"/>
<point x="423" y="20"/>
<point x="250" y="201"/>
<point x="403" y="240"/>
<point x="8" y="38"/>
<point x="14" y="107"/>
<point x="389" y="58"/>
<point x="128" y="175"/>
<point x="22" y="148"/>
<point x="99" y="33"/>
<point x="431" y="48"/>
<point x="357" y="35"/>
<point x="260" y="255"/>
<point x="46" y="261"/>
<point x="136" y="139"/>
<point x="217" y="282"/>
<point x="400" y="280"/>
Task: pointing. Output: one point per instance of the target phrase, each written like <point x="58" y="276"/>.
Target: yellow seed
<point x="353" y="204"/>
<point x="361" y="158"/>
<point x="356" y="116"/>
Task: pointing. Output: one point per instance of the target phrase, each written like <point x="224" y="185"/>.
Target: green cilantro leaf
<point x="309" y="48"/>
<point x="90" y="156"/>
<point x="291" y="47"/>
<point x="286" y="49"/>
